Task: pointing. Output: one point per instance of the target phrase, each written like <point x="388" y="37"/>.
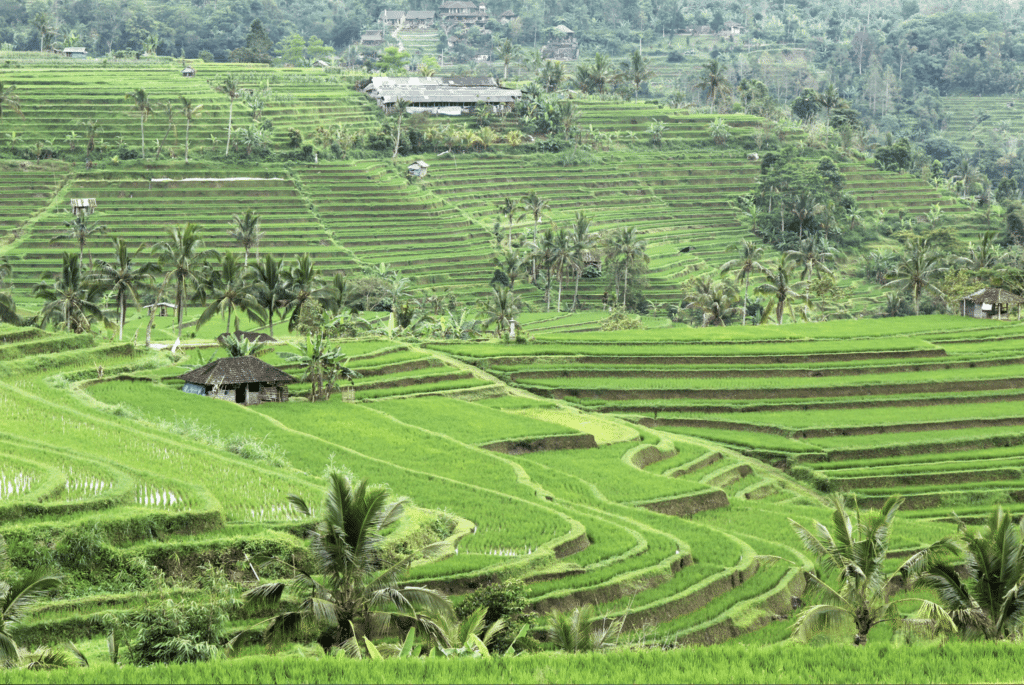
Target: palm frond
<point x="818" y="619"/>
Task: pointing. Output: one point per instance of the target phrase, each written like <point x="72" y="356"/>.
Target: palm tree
<point x="636" y="70"/>
<point x="829" y="99"/>
<point x="714" y="84"/>
<point x="509" y="262"/>
<point x="916" y="269"/>
<point x="237" y="345"/>
<point x="353" y="595"/>
<point x="190" y="111"/>
<point x="79" y="229"/>
<point x="746" y="264"/>
<point x="122" y="279"/>
<point x="501" y="307"/>
<point x="229" y="87"/>
<point x="230" y="292"/>
<point x="140" y="101"/>
<point x="42" y="24"/>
<point x="304" y="283"/>
<point x="533" y="205"/>
<point x="581" y="630"/>
<point x="507" y="51"/>
<point x="561" y="254"/>
<point x="8" y="309"/>
<point x="9" y="100"/>
<point x="245" y="231"/>
<point x="777" y="284"/>
<point x="401" y="107"/>
<point x="983" y="595"/>
<point x="270" y="287"/>
<point x="625" y="251"/>
<point x="984" y="255"/>
<point x="70" y="303"/>
<point x="715" y="305"/>
<point x="581" y="248"/>
<point x="508" y="208"/>
<point x="857" y="548"/>
<point x="182" y="257"/>
<point x="16" y="597"/>
<point x="323" y="364"/>
<point x="814" y="254"/>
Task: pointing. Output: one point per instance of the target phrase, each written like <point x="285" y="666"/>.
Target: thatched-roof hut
<point x="244" y="380"/>
<point x="990" y="303"/>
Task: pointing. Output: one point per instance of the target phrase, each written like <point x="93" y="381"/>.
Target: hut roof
<point x="251" y="336"/>
<point x="994" y="296"/>
<point x="235" y="370"/>
<point x="420" y="14"/>
<point x="562" y="28"/>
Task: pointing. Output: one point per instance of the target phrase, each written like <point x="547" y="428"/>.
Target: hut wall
<point x="272" y="393"/>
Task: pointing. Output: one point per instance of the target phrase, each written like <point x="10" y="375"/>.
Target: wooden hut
<point x="243" y="380"/>
<point x="188" y="72"/>
<point x="990" y="303"/>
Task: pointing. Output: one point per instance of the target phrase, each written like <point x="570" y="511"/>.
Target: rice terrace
<point x="315" y="368"/>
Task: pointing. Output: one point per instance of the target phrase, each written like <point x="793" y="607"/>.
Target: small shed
<point x="83" y="205"/>
<point x="188" y="72"/>
<point x="75" y="53"/>
<point x="243" y="380"/>
<point x="161" y="307"/>
<point x="418" y="169"/>
<point x="990" y="303"/>
<point x="371" y="38"/>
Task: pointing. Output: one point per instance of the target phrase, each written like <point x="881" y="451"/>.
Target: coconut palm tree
<point x="533" y="205"/>
<point x="635" y="70"/>
<point x="917" y="267"/>
<point x="80" y="227"/>
<point x="561" y="256"/>
<point x="230" y="87"/>
<point x="270" y="287"/>
<point x="9" y="100"/>
<point x="625" y="251"/>
<point x="501" y="307"/>
<point x="777" y="284"/>
<point x="714" y="84"/>
<point x="323" y="363"/>
<point x="42" y="24"/>
<point x="509" y="262"/>
<point x="744" y="265"/>
<point x="140" y="101"/>
<point x="401" y="107"/>
<point x="304" y="284"/>
<point x="123" y="279"/>
<point x="182" y="258"/>
<point x="71" y="302"/>
<point x="16" y="597"/>
<point x="245" y="231"/>
<point x="583" y="243"/>
<point x="353" y="595"/>
<point x="715" y="305"/>
<point x="508" y="208"/>
<point x="984" y="594"/>
<point x="857" y="548"/>
<point x="829" y="99"/>
<point x="190" y="111"/>
<point x="230" y="292"/>
<point x="507" y="52"/>
<point x="8" y="310"/>
<point x="582" y="630"/>
<point x="814" y="254"/>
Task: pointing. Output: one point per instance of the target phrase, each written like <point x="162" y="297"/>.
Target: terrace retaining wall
<point x="543" y="444"/>
<point x="689" y="504"/>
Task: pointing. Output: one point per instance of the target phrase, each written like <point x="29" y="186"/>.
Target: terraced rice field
<point x="975" y="120"/>
<point x="928" y="407"/>
<point x="574" y="501"/>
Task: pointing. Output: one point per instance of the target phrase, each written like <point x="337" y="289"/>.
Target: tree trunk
<point x="142" y="126"/>
<point x="149" y="328"/>
<point x="746" y="296"/>
<point x="121" y="306"/>
<point x="188" y="122"/>
<point x="625" y="285"/>
<point x="558" y="308"/>
<point x="398" y="134"/>
<point x="576" y="292"/>
<point x="231" y="107"/>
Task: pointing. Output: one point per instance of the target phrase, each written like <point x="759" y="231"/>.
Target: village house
<point x="410" y="19"/>
<point x="440" y="95"/>
<point x="243" y="380"/>
<point x="371" y="38"/>
<point x="508" y="16"/>
<point x="991" y="303"/>
<point x="562" y="45"/>
<point x="75" y="53"/>
<point x="463" y="11"/>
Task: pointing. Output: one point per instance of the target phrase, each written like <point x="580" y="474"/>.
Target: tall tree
<point x="401" y="107"/>
<point x="80" y="227"/>
<point x="635" y="70"/>
<point x="917" y="269"/>
<point x="355" y="593"/>
<point x="533" y="205"/>
<point x="507" y="52"/>
<point x="230" y="294"/>
<point x="71" y="303"/>
<point x="140" y="101"/>
<point x="625" y="251"/>
<point x="714" y="84"/>
<point x="270" y="287"/>
<point x="745" y="264"/>
<point x="43" y="25"/>
<point x="777" y="284"/>
<point x="501" y="307"/>
<point x="304" y="283"/>
<point x="229" y="87"/>
<point x="182" y="257"/>
<point x="245" y="231"/>
<point x="190" y="111"/>
<point x="583" y="246"/>
<point x="123" y="279"/>
<point x="508" y="208"/>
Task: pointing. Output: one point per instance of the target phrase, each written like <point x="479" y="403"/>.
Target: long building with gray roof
<point x="440" y="94"/>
